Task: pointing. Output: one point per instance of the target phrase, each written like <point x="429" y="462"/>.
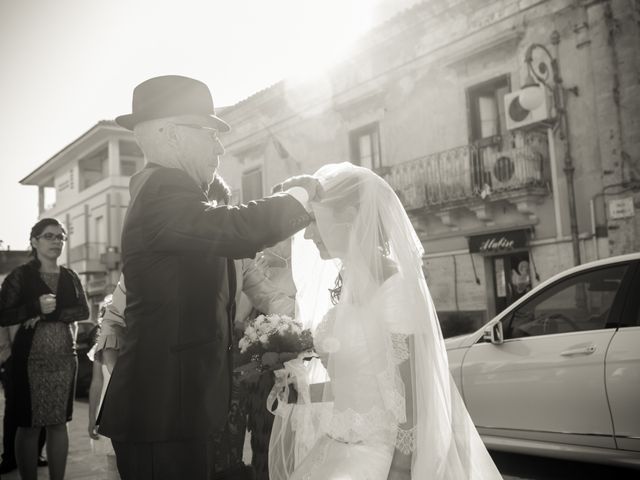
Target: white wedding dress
<point x="391" y="409"/>
<point x="359" y="439"/>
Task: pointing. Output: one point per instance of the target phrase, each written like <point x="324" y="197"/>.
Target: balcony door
<point x="252" y="185"/>
<point x="365" y="146"/>
<point x="487" y="118"/>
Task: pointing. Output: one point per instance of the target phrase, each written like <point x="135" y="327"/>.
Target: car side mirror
<point x="494" y="334"/>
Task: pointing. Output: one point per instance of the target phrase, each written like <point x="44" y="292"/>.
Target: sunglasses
<point x="53" y="236"/>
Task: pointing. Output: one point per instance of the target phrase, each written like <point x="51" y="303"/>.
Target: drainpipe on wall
<point x="592" y="212"/>
<point x="455" y="282"/>
<point x="569" y="169"/>
<point x="554" y="182"/>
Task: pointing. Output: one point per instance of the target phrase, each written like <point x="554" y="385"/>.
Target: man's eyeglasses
<point x="210" y="130"/>
<point x="53" y="236"/>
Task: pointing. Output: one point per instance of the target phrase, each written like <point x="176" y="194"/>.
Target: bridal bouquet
<point x="269" y="338"/>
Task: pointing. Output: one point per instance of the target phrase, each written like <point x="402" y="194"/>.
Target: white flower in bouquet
<point x="251" y="334"/>
<point x="244" y="344"/>
<point x="279" y="333"/>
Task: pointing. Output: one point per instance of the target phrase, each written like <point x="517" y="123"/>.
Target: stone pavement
<point x="88" y="463"/>
<point x="82" y="463"/>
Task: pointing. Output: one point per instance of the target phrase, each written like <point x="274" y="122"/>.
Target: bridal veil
<point x="381" y="345"/>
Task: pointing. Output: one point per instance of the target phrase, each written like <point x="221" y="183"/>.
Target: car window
<point x="582" y="302"/>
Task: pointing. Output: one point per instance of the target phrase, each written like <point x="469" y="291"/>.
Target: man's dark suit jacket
<point x="172" y="378"/>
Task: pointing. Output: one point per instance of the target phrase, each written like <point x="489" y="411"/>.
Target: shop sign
<point x="498" y="242"/>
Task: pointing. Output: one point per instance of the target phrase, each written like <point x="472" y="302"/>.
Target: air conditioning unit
<point x="518" y="116"/>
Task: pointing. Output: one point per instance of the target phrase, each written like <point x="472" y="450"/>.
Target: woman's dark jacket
<point x="21" y="291"/>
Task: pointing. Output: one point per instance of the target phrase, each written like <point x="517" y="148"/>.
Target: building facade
<point x="86" y="186"/>
<point x="501" y="195"/>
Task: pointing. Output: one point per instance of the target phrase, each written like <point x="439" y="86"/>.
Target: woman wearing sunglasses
<point x="45" y="299"/>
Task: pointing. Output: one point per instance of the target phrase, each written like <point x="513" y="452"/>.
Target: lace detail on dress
<point x="392" y="391"/>
<point x="400" y="347"/>
<point x="406" y="440"/>
<point x="350" y="426"/>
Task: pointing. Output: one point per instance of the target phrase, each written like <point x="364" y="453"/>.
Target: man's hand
<point x="310" y="183"/>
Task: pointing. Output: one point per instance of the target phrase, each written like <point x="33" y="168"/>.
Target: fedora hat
<point x="170" y="96"/>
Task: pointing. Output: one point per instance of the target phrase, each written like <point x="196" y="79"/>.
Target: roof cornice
<point x="33" y="177"/>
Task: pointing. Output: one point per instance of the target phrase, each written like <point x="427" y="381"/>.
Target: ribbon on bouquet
<point x="294" y="373"/>
<point x="297" y="426"/>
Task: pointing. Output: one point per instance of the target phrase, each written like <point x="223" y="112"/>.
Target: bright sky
<point x="66" y="64"/>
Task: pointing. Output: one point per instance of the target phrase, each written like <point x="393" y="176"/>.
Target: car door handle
<point x="588" y="350"/>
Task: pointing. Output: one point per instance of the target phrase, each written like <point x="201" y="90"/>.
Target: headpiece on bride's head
<point x="360" y="220"/>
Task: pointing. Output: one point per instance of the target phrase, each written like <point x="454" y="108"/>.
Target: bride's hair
<point x="344" y="193"/>
<point x="335" y="292"/>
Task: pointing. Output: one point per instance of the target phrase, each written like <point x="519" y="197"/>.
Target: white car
<point x="558" y="372"/>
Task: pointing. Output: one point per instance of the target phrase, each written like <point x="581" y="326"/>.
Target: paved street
<point x="513" y="466"/>
<point x="84" y="464"/>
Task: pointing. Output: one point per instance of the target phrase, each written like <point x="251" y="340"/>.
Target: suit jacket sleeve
<point x="177" y="219"/>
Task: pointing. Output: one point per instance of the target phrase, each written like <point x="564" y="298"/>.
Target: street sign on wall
<point x="621" y="208"/>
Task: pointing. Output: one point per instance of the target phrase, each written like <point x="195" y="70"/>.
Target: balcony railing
<point x="471" y="171"/>
<point x="87" y="252"/>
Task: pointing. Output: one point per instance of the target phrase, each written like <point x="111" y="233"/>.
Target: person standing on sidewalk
<point x="9" y="425"/>
<point x="45" y="299"/>
<point x="170" y="389"/>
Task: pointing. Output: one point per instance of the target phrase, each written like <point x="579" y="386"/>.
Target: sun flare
<point x="324" y="33"/>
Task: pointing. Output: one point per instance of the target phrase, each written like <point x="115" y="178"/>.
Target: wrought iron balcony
<point x="459" y="175"/>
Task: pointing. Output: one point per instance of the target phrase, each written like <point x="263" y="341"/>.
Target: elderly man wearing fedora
<point x="170" y="388"/>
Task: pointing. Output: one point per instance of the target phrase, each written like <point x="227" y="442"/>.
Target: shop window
<point x="365" y="146"/>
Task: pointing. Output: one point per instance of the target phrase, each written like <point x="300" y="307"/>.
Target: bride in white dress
<point x="388" y="408"/>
